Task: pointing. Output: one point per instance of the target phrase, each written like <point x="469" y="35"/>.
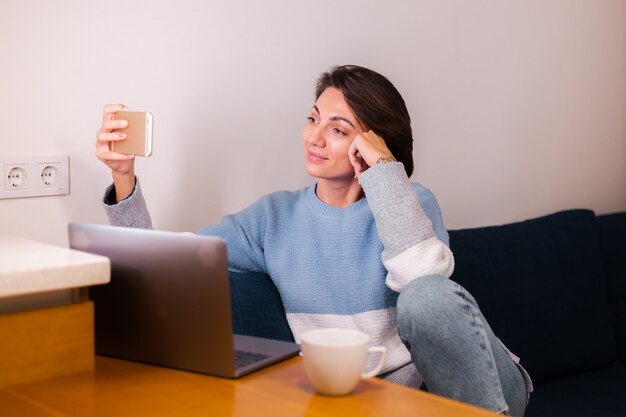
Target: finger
<point x="109" y="125"/>
<point x="372" y="137"/>
<point x="103" y="148"/>
<point x="354" y="156"/>
<point x="108" y="156"/>
<point x="364" y="165"/>
<point x="359" y="168"/>
<point x="110" y="109"/>
<point x="104" y="136"/>
<point x="357" y="164"/>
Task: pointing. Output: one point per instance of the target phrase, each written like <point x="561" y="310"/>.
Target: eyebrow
<point x="336" y="118"/>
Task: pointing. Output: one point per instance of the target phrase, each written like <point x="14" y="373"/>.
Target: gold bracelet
<point x="386" y="160"/>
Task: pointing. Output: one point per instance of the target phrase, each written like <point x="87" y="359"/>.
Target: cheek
<point x="340" y="150"/>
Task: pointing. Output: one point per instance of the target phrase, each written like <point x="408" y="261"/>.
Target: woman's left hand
<point x="366" y="149"/>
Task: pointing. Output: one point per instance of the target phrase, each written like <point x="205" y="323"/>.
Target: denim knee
<point x="425" y="305"/>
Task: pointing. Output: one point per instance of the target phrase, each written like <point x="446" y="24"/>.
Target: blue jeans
<point x="455" y="350"/>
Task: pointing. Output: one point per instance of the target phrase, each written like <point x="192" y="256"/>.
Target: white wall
<point x="519" y="107"/>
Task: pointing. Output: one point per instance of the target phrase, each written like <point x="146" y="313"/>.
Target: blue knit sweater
<point x="334" y="267"/>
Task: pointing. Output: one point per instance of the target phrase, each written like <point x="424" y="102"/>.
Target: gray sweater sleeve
<point x="411" y="247"/>
<point x="130" y="212"/>
<point x="400" y="219"/>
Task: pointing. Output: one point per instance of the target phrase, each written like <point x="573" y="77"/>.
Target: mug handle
<point x="379" y="365"/>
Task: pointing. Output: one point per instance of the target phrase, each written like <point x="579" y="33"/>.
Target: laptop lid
<point x="168" y="302"/>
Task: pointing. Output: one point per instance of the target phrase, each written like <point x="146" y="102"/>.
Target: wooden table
<point x="121" y="388"/>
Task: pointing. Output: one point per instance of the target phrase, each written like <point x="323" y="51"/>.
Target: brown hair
<point x="377" y="105"/>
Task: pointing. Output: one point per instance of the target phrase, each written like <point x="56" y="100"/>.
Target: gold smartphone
<point x="138" y="133"/>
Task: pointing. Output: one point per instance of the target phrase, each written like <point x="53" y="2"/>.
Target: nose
<point x="314" y="135"/>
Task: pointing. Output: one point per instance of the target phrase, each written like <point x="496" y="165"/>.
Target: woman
<point x="363" y="248"/>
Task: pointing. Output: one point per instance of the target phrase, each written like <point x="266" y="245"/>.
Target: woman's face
<point x="327" y="136"/>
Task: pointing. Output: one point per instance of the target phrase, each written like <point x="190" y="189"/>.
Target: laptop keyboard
<point x="243" y="358"/>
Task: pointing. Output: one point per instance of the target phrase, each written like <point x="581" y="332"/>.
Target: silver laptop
<point x="168" y="302"/>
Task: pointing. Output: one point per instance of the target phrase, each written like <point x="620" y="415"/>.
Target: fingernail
<point x="121" y="135"/>
<point x="124" y="122"/>
<point x="126" y="109"/>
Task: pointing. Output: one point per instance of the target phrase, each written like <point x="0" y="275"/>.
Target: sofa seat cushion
<point x="596" y="393"/>
<point x="542" y="287"/>
<point x="612" y="229"/>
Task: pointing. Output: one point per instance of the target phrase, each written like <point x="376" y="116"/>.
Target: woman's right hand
<point x="122" y="166"/>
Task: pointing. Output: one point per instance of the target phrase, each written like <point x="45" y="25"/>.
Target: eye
<point x="311" y="119"/>
<point x="339" y="132"/>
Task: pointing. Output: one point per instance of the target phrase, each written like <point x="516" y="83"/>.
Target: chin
<point x="313" y="171"/>
<point x="325" y="175"/>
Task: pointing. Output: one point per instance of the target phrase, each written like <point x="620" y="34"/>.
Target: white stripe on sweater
<point x="428" y="257"/>
<point x="380" y="325"/>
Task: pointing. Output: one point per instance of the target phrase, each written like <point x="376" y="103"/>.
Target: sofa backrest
<point x="542" y="287"/>
<point x="612" y="229"/>
<point x="257" y="308"/>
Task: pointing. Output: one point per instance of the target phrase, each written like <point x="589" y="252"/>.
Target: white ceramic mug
<point x="334" y="359"/>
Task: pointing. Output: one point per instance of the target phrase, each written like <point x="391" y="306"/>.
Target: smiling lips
<point x="315" y="157"/>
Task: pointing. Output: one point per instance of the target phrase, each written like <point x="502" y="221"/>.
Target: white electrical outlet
<point x="16" y="177"/>
<point x="33" y="176"/>
<point x="49" y="175"/>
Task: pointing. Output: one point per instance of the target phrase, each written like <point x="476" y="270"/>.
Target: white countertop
<point x="29" y="267"/>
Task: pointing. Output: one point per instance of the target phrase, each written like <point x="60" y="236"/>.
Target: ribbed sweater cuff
<point x="130" y="212"/>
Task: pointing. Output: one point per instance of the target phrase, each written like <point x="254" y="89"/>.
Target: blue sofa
<point x="553" y="289"/>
